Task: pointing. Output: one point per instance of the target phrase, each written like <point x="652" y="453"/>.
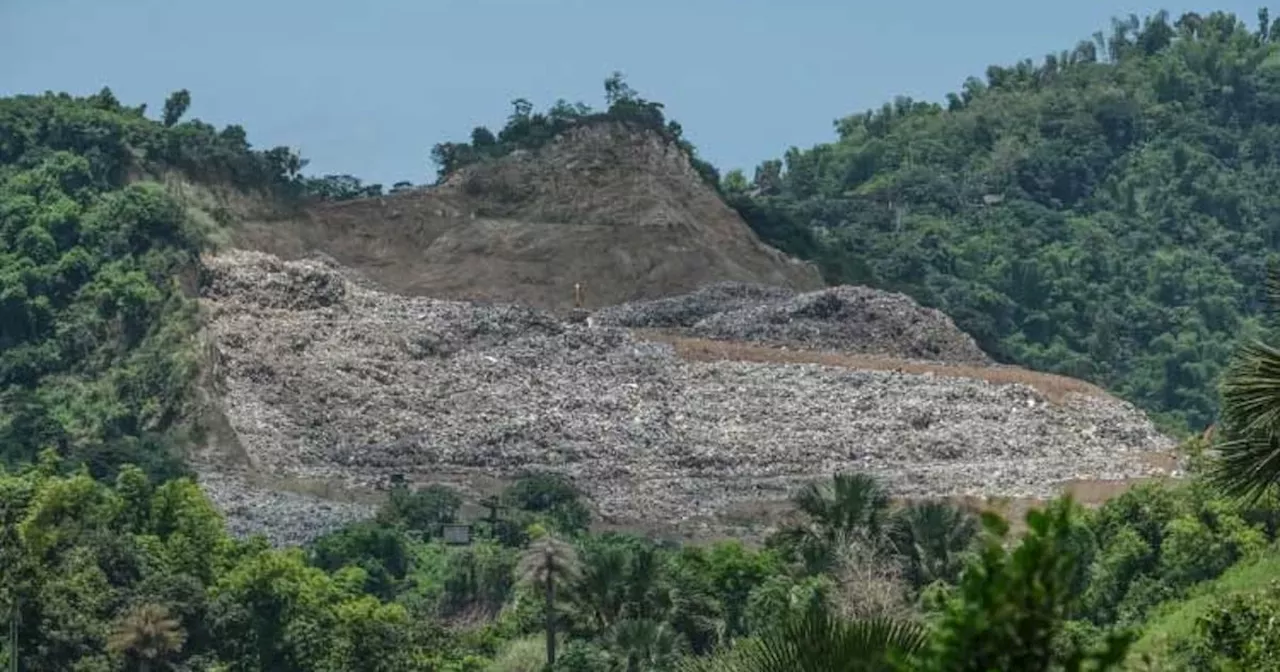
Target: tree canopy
<point x="1107" y="213"/>
<point x="527" y="129"/>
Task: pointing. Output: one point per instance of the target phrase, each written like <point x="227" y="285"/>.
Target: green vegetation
<point x="136" y="574"/>
<point x="526" y="129"/>
<point x="1105" y="214"/>
<point x="1177" y="621"/>
<point x="95" y="330"/>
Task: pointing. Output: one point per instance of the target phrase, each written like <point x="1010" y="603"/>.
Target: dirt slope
<point x="618" y="210"/>
<point x="326" y="380"/>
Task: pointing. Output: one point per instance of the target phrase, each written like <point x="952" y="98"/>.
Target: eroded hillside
<point x="327" y="379"/>
<point x="617" y="210"/>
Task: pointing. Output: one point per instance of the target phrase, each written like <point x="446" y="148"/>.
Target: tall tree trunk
<point x="13" y="633"/>
<point x="551" y="615"/>
<point x="144" y="665"/>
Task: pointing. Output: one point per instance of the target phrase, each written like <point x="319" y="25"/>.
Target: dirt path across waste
<point x="1055" y="387"/>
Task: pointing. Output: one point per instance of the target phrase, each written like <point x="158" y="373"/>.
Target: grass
<point x="1056" y="388"/>
<point x="1177" y="620"/>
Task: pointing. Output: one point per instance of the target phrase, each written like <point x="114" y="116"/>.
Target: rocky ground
<point x="330" y="380"/>
<point x="845" y="319"/>
<point x="284" y="518"/>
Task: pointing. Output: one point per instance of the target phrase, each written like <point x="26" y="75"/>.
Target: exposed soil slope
<point x="619" y="210"/>
<point x="326" y="378"/>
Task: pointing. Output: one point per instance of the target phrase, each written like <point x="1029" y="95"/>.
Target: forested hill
<point x="1108" y="213"/>
<point x="96" y="352"/>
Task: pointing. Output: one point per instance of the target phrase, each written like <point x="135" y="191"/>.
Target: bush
<point x="425" y="509"/>
<point x="553" y="498"/>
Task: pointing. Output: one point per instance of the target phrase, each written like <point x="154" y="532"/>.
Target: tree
<point x="931" y="538"/>
<point x="483" y="138"/>
<point x="817" y="641"/>
<point x="381" y="551"/>
<point x="550" y="564"/>
<point x="850" y="508"/>
<point x="768" y="178"/>
<point x="646" y="644"/>
<point x="551" y="495"/>
<point x="1237" y="633"/>
<point x="175" y="106"/>
<point x="1010" y="608"/>
<point x="735" y="182"/>
<point x="1249" y="455"/>
<point x="424" y="509"/>
<point x="148" y="635"/>
<point x="617" y="91"/>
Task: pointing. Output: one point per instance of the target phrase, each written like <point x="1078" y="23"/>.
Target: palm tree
<point x="1249" y="456"/>
<point x="600" y="590"/>
<point x="849" y="506"/>
<point x="646" y="644"/>
<point x="646" y="594"/>
<point x="821" y="642"/>
<point x="549" y="563"/>
<point x="931" y="538"/>
<point x="148" y="634"/>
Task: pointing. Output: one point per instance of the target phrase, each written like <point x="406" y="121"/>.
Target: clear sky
<point x="368" y="87"/>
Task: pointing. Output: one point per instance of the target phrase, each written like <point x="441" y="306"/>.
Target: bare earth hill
<point x="324" y="378"/>
<point x="620" y="211"/>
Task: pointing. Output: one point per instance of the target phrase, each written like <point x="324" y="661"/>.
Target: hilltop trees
<point x="175" y="106"/>
<point x="526" y="129"/>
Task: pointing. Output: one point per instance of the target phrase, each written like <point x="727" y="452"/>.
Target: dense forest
<point x="1108" y="213"/>
<point x="1103" y="214"/>
<point x="132" y="574"/>
<point x="95" y="333"/>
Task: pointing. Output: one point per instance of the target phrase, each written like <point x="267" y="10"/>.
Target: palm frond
<point x="147" y="632"/>
<point x="1272" y="287"/>
<point x="1247" y="466"/>
<point x="813" y="500"/>
<point x="820" y="642"/>
<point x="1248" y="461"/>
<point x="847" y="502"/>
<point x="859" y="501"/>
<point x="931" y="536"/>
<point x="1251" y="389"/>
<point x="549" y="558"/>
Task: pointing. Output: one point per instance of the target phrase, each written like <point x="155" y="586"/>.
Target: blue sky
<point x="368" y="87"/>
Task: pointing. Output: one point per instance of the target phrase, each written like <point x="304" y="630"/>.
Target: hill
<point x="1108" y="213"/>
<point x="97" y="259"/>
<point x="612" y="207"/>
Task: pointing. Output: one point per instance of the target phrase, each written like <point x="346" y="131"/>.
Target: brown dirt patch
<point x="1055" y="387"/>
<point x="618" y="213"/>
